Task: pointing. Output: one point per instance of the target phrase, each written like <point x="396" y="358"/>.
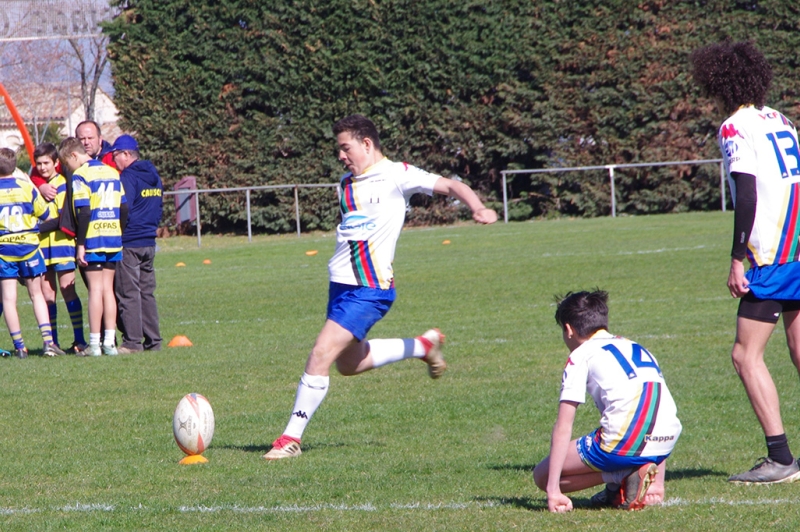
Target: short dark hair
<point x="46" y="149"/>
<point x="8" y="162"/>
<point x="586" y="312"/>
<point x="360" y="127"/>
<point x="736" y="72"/>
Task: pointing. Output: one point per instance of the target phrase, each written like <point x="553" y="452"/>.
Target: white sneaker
<point x="434" y="359"/>
<point x="110" y="350"/>
<point x="90" y="351"/>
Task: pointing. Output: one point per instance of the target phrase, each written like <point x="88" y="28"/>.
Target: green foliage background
<point x="244" y="92"/>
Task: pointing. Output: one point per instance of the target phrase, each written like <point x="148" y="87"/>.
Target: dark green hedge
<point x="244" y="92"/>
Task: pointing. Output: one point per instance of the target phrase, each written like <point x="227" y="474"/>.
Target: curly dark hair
<point x="735" y="72"/>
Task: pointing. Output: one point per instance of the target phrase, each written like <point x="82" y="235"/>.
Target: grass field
<point x="87" y="444"/>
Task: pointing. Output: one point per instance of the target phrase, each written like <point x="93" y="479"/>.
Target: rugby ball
<point x="193" y="424"/>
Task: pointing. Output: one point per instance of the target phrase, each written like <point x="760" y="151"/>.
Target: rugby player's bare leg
<point x="791" y="325"/>
<point x="748" y="359"/>
<point x="655" y="495"/>
<point x="335" y="343"/>
<point x="575" y="475"/>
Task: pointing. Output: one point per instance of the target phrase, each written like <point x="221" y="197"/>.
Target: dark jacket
<point x="143" y="192"/>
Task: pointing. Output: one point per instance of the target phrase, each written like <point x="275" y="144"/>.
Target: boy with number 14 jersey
<point x="639" y="425"/>
<point x="101" y="212"/>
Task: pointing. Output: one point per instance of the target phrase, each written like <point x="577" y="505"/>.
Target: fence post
<point x="505" y="198"/>
<point x="613" y="194"/>
<point x="297" y="209"/>
<point x="249" y="226"/>
<point x="197" y="217"/>
<point x="722" y="184"/>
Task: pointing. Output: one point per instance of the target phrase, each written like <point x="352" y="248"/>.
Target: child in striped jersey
<point x="638" y="424"/>
<point x="101" y="212"/>
<point x="21" y="209"/>
<point x="58" y="250"/>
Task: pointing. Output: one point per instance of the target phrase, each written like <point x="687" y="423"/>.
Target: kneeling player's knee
<point x="540" y="474"/>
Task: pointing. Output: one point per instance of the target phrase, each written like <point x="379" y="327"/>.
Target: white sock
<point x="94" y="339"/>
<point x="310" y="393"/>
<point x="110" y="337"/>
<point x="387" y="351"/>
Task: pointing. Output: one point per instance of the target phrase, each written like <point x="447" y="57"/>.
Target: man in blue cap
<point x="135" y="282"/>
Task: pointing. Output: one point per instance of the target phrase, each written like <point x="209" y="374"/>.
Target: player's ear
<point x="569" y="332"/>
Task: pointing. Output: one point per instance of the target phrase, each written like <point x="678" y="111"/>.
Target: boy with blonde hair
<point x="101" y="211"/>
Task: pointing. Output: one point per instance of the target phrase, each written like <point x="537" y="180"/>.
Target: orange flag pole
<point x="18" y="119"/>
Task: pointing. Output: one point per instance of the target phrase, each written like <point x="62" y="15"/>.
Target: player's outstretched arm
<point x="562" y="434"/>
<point x="460" y="191"/>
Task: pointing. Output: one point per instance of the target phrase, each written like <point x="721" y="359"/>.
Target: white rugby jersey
<point x="764" y="143"/>
<point x="373" y="207"/>
<point x="638" y="414"/>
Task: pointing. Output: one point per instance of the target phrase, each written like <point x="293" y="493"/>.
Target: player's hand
<point x="80" y="256"/>
<point x="484" y="216"/>
<point x="737" y="283"/>
<point x="559" y="503"/>
<point x="48" y="191"/>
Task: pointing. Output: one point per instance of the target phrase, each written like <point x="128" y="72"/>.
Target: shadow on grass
<point x="306" y="448"/>
<point x="682" y="474"/>
<point x="525" y="468"/>
<point x="525" y="503"/>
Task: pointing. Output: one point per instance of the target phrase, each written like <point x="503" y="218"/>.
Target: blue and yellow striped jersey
<point x="97" y="186"/>
<point x="21" y="208"/>
<point x="57" y="247"/>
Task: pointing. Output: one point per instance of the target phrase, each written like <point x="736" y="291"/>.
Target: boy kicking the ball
<point x="638" y="423"/>
<point x="374" y="195"/>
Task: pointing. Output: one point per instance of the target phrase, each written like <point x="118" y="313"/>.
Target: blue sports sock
<point x="75" y="310"/>
<point x="52" y="310"/>
<point x="47" y="333"/>
<point x="16" y="337"/>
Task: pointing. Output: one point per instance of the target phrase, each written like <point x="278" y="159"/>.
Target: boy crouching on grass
<point x="638" y="423"/>
<point x="21" y="209"/>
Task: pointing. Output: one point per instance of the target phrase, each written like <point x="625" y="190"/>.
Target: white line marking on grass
<point x="77" y="507"/>
<point x="369" y="507"/>
<point x="677" y="501"/>
<point x="634" y="252"/>
<point x="14" y="511"/>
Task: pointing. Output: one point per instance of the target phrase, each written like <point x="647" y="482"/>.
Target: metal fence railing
<point x="196" y="193"/>
<point x="610" y="168"/>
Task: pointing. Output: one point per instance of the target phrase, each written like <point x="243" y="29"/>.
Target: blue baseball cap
<point x="125" y="142"/>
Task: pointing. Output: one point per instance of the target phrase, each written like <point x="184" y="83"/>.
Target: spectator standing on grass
<point x="374" y="196"/>
<point x="638" y="418"/>
<point x="21" y="209"/>
<point x="762" y="160"/>
<point x="135" y="280"/>
<point x="58" y="250"/>
<point x="101" y="212"/>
